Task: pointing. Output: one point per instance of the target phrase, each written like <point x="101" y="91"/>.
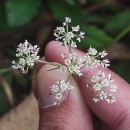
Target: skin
<point x="77" y="109"/>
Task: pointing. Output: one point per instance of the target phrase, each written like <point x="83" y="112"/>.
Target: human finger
<point x="70" y="114"/>
<point x="116" y="115"/>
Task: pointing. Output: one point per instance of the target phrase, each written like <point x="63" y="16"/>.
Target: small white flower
<point x="80" y="35"/>
<point x="101" y="83"/>
<point x="59" y="89"/>
<point x="109" y="76"/>
<point x="55" y="88"/>
<point x="97" y="86"/>
<point x="93" y="58"/>
<point x="27" y="56"/>
<point x="60" y="30"/>
<point x="66" y="36"/>
<point x="106" y="82"/>
<point x="101" y="74"/>
<point x="96" y="99"/>
<point x="89" y="61"/>
<point x="92" y="51"/>
<point x="58" y="96"/>
<point x="67" y="20"/>
<point x="103" y="95"/>
<point x="73" y="64"/>
<point x="105" y="63"/>
<point x="110" y="99"/>
<point x="73" y="44"/>
<point x="15" y="65"/>
<point x="103" y="54"/>
<point x="63" y="56"/>
<point x="75" y="29"/>
<point x="113" y="88"/>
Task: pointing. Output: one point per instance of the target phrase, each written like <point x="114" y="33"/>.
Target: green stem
<point x="50" y="63"/>
<point x="53" y="69"/>
<point x="70" y="51"/>
<point x="68" y="78"/>
<point x="5" y="70"/>
<point x="121" y="34"/>
<point x="67" y="27"/>
<point x="86" y="77"/>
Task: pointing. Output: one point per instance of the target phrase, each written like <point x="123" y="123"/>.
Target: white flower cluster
<point x="101" y="84"/>
<point x="59" y="89"/>
<point x="27" y="56"/>
<point x="93" y="58"/>
<point x="63" y="33"/>
<point x="73" y="64"/>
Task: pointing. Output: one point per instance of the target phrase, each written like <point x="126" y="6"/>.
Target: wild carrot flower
<point x="27" y="56"/>
<point x="73" y="64"/>
<point x="59" y="89"/>
<point x="93" y="58"/>
<point x="67" y="37"/>
<point x="102" y="84"/>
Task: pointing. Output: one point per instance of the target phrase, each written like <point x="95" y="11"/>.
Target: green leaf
<point x="61" y="10"/>
<point x="71" y="2"/>
<point x="118" y="23"/>
<point x="20" y="12"/>
<point x="97" y="19"/>
<point x="121" y="67"/>
<point x="95" y="37"/>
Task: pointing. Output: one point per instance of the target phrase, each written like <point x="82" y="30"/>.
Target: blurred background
<point x="105" y="22"/>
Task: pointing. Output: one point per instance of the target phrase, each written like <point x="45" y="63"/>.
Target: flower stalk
<point x="49" y="63"/>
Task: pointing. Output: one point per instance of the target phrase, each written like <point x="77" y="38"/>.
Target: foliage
<point x="18" y="12"/>
<point x="121" y="68"/>
<point x="96" y="38"/>
<point x="118" y="23"/>
<point x="61" y="9"/>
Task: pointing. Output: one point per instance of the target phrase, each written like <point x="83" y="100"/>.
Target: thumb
<point x="71" y="114"/>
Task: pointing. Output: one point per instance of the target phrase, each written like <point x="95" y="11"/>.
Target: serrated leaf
<point x="95" y="37"/>
<point x="118" y="23"/>
<point x="20" y="12"/>
<point x="61" y="10"/>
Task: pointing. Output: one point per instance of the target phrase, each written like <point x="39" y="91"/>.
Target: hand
<point x="75" y="112"/>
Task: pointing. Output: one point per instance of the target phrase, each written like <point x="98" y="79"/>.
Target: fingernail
<point x="46" y="99"/>
<point x="45" y="80"/>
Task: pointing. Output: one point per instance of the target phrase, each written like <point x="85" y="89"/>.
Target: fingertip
<point x="48" y="49"/>
<point x="52" y="45"/>
<point x="69" y="111"/>
<point x="54" y="49"/>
